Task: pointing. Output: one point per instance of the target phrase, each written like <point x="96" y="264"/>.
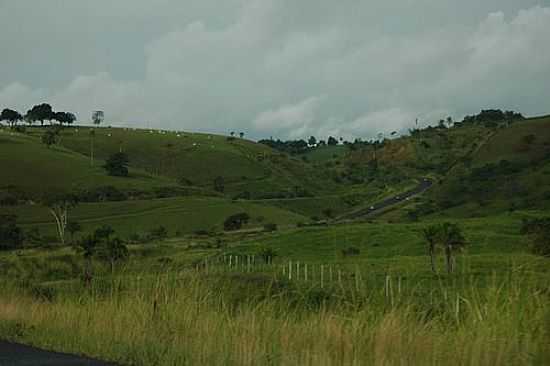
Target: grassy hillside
<point x="178" y="215"/>
<point x="197" y="159"/>
<point x="32" y="168"/>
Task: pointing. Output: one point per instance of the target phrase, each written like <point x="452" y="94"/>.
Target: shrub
<point x="117" y="165"/>
<point x="538" y="231"/>
<point x="235" y="222"/>
<point x="351" y="251"/>
<point x="158" y="233"/>
<point x="269" y="227"/>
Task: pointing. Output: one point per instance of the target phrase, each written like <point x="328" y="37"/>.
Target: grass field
<point x="183" y="215"/>
<point x="386" y="308"/>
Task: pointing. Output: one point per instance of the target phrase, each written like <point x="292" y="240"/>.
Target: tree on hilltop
<point x="11" y="116"/>
<point x="40" y="112"/>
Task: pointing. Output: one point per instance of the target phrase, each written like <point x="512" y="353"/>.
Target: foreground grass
<point x="237" y="319"/>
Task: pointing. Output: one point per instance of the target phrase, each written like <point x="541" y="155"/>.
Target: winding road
<point x="14" y="354"/>
<point x="376" y="208"/>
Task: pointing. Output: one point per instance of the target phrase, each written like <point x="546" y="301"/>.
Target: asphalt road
<point x="376" y="208"/>
<point x="13" y="354"/>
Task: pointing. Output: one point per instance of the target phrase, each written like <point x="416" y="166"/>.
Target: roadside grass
<point x="188" y="318"/>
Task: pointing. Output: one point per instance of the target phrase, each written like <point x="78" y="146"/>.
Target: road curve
<point x="376" y="208"/>
<point x="14" y="354"/>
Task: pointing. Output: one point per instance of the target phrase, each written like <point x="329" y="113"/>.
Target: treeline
<point x="491" y="116"/>
<point x="38" y="113"/>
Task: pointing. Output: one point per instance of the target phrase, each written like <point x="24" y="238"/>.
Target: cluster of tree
<point x="491" y="116"/>
<point x="236" y="221"/>
<point x="446" y="236"/>
<point x="295" y="147"/>
<point x="40" y="112"/>
<point x="538" y="231"/>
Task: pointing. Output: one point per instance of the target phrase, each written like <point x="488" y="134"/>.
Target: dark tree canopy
<point x="117" y="165"/>
<point x="11" y="116"/>
<point x="235" y="222"/>
<point x="332" y="141"/>
<point x="64" y="117"/>
<point x="40" y="112"/>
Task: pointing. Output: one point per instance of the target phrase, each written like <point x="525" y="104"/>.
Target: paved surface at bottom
<point x="14" y="354"/>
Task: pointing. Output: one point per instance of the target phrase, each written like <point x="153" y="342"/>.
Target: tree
<point x="219" y="184"/>
<point x="312" y="141"/>
<point x="98" y="117"/>
<point x="241" y="134"/>
<point x="73" y="227"/>
<point x="430" y="235"/>
<point x="117" y="165"/>
<point x="40" y="112"/>
<point x="267" y="254"/>
<point x="332" y="141"/>
<point x="11" y="236"/>
<point x="112" y="251"/>
<point x="59" y="204"/>
<point x="235" y="222"/>
<point x="87" y="246"/>
<point x="447" y="235"/>
<point x="11" y="116"/>
<point x="232" y="133"/>
<point x="64" y="117"/>
<point x="50" y="137"/>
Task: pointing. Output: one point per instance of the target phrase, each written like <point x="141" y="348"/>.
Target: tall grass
<point x="253" y="319"/>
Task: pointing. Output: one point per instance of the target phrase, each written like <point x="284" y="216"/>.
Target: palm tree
<point x="430" y="234"/>
<point x="447" y="235"/>
<point x="452" y="240"/>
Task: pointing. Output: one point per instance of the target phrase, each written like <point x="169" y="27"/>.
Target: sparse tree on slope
<point x="59" y="205"/>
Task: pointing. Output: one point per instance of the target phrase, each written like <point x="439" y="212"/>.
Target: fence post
<point x="322" y="275"/>
<point x="290" y="270"/>
<point x="305" y="272"/>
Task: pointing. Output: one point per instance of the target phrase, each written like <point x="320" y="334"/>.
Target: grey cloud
<point x="283" y="68"/>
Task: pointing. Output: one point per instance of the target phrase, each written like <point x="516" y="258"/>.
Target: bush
<point x="538" y="231"/>
<point x="158" y="233"/>
<point x="102" y="194"/>
<point x="117" y="165"/>
<point x="351" y="251"/>
<point x="235" y="222"/>
<point x="269" y="227"/>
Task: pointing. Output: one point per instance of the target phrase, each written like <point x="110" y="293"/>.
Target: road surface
<point x="376" y="208"/>
<point x="14" y="354"/>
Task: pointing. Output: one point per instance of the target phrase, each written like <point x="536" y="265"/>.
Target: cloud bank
<point x="288" y="70"/>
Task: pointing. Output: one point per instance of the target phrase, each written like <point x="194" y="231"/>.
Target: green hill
<point x="197" y="159"/>
<point x="30" y="168"/>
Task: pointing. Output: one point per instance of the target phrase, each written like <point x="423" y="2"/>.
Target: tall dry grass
<point x="188" y="319"/>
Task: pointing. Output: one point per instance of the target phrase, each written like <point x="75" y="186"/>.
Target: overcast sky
<point x="282" y="68"/>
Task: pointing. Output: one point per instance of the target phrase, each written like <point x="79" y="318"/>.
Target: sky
<point x="281" y="68"/>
